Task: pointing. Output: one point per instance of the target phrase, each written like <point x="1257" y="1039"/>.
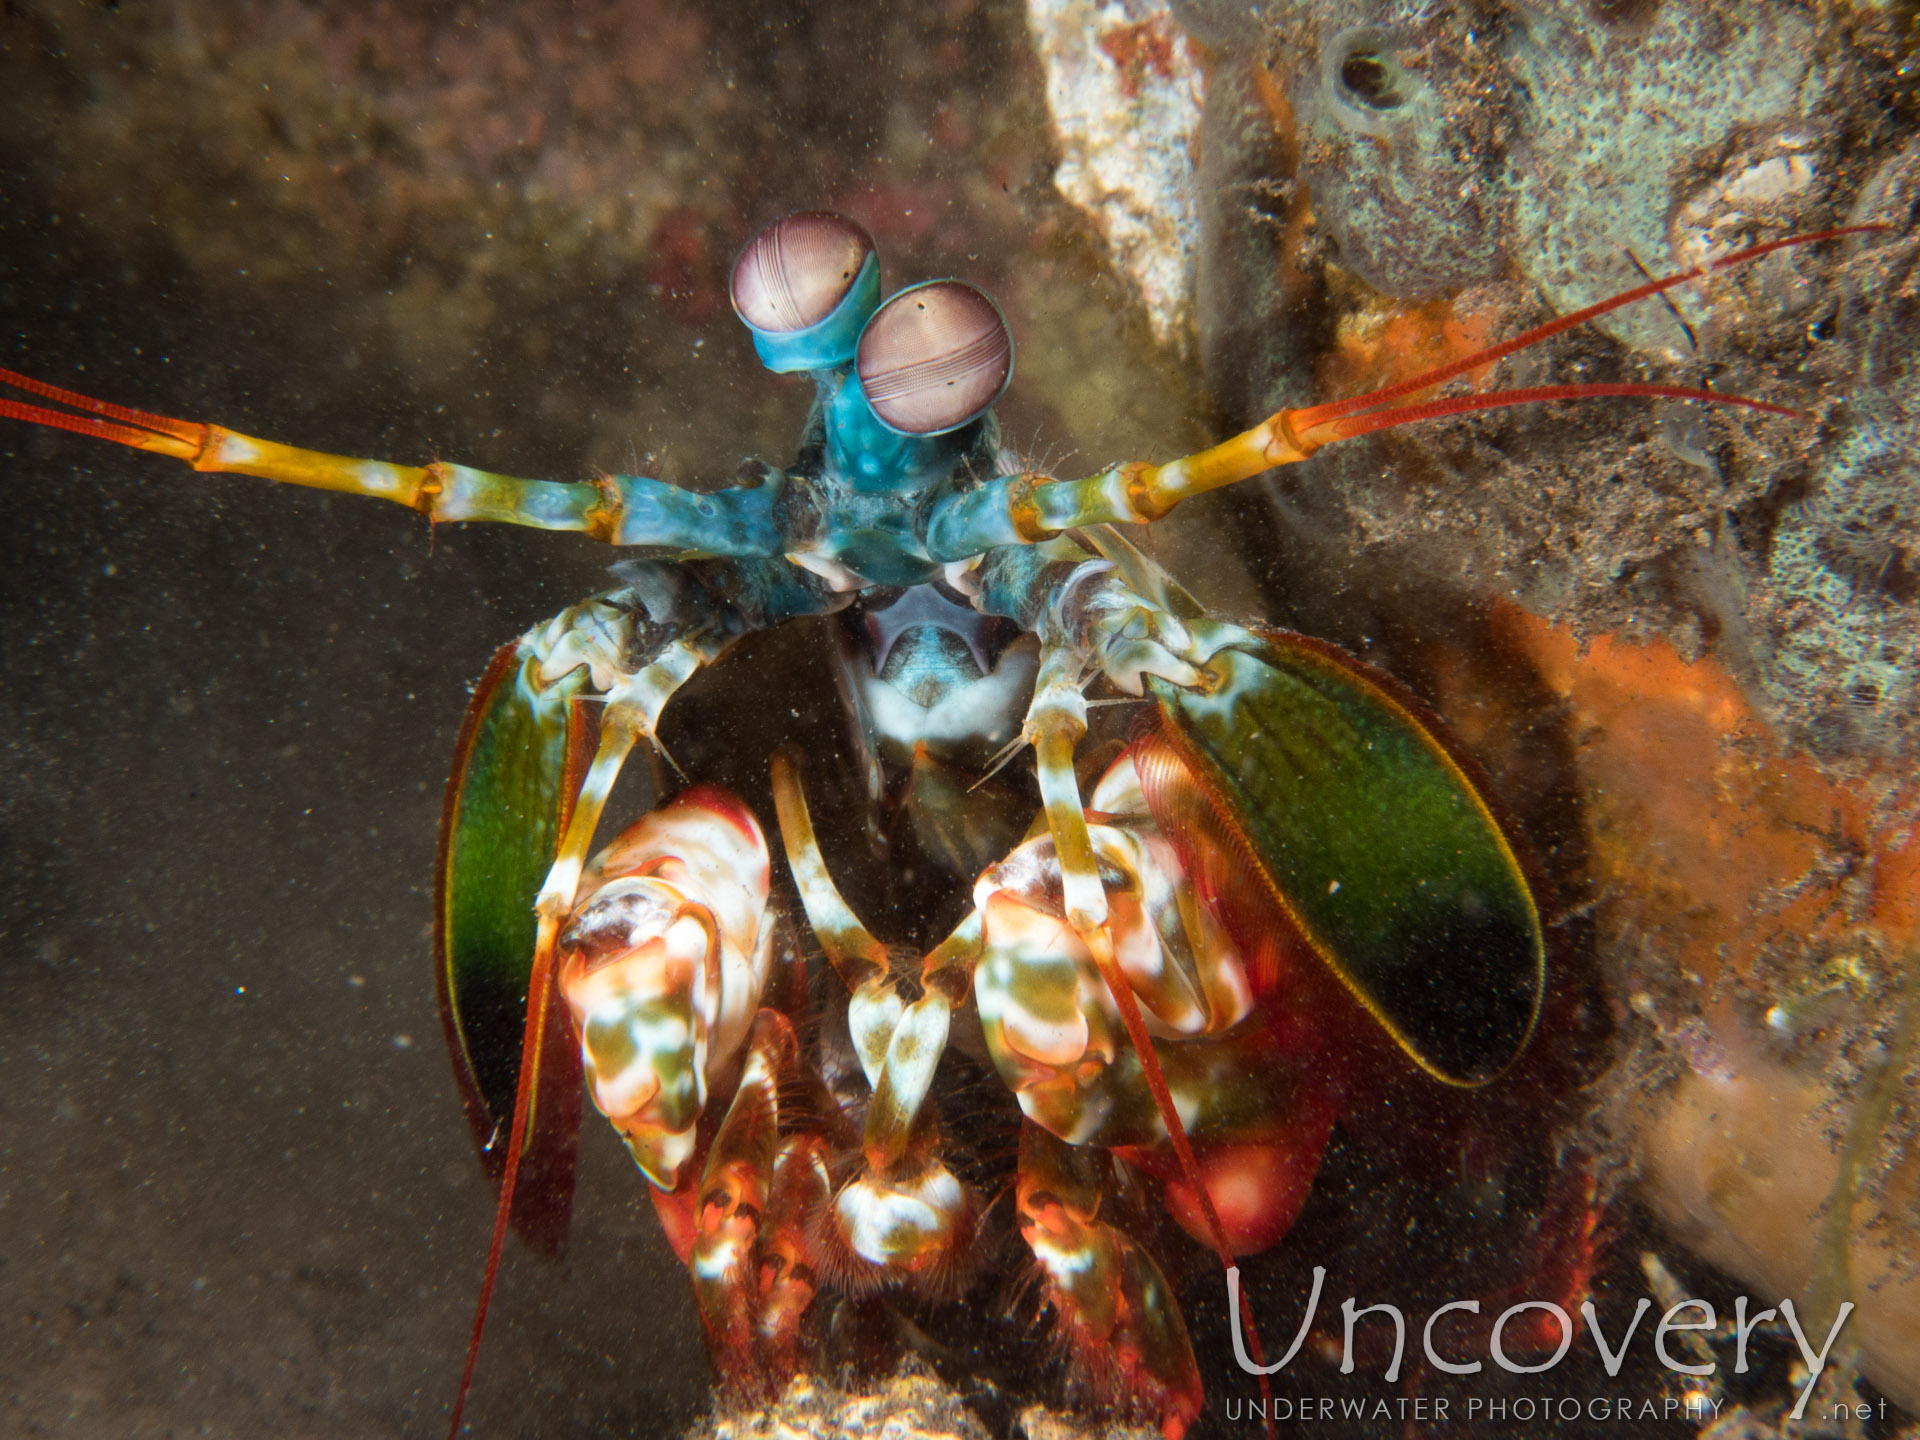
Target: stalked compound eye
<point x="934" y="357"/>
<point x="795" y="273"/>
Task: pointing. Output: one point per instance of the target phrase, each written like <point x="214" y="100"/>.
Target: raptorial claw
<point x="663" y="964"/>
<point x="913" y="1220"/>
<point x="1055" y="1031"/>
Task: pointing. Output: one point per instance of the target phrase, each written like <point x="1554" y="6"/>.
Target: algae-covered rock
<point x="1705" y="619"/>
<point x="1837" y="618"/>
<point x="1742" y="1163"/>
<point x="1401" y="118"/>
<point x="1385" y="187"/>
<point x="1621" y="131"/>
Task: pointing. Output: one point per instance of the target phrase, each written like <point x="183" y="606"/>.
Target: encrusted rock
<point x="914" y="1404"/>
<point x="1124" y="85"/>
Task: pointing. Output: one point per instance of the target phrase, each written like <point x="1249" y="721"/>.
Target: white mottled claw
<point x="1052" y="1023"/>
<point x="599" y="635"/>
<point x="859" y="959"/>
<point x="596" y="633"/>
<point x="664" y="962"/>
<point x="872" y="1013"/>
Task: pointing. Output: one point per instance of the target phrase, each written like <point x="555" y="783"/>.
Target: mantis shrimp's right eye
<point x="935" y="357"/>
<point x="794" y="273"/>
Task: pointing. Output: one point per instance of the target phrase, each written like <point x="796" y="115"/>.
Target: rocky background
<point x="1716" y="607"/>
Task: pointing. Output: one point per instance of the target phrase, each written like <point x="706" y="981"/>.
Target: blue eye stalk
<point x="898" y="381"/>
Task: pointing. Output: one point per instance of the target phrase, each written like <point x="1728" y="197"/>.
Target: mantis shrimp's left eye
<point x="795" y="273"/>
<point x="935" y="357"/>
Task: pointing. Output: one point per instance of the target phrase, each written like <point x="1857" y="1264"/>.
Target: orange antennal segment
<point x="1142" y="492"/>
<point x="185" y="431"/>
<point x="1439" y="375"/>
<point x="438" y="491"/>
<point x="1345" y="427"/>
<point x="182" y="439"/>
